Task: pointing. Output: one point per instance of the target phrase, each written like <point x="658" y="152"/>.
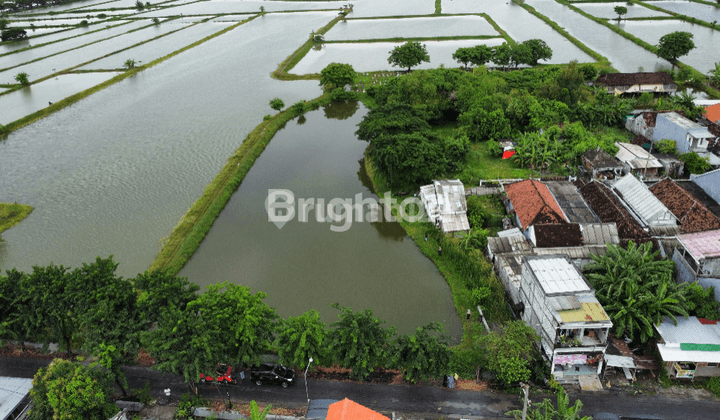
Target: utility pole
<point x="525" y="388"/>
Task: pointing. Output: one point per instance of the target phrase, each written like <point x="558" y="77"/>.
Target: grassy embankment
<point x="194" y="225"/>
<point x="29" y="119"/>
<point x="291" y="61"/>
<point x="713" y="93"/>
<point x="438" y="7"/>
<point x="11" y="214"/>
<point x="601" y="60"/>
<point x="682" y="17"/>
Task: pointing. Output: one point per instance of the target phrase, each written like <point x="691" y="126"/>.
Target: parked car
<point x="268" y="373"/>
<point x="223" y="374"/>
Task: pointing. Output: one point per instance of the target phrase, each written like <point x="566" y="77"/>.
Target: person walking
<point x="440" y="251"/>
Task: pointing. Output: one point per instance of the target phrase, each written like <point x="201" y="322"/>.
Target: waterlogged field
<point x="707" y="41"/>
<point x="22" y="102"/>
<point x="607" y="10"/>
<point x="697" y="10"/>
<point x="150" y="51"/>
<point x="114" y="172"/>
<point x="425" y="27"/>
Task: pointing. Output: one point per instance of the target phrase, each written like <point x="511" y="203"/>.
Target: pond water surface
<point x="607" y="10"/>
<point x="689" y="8"/>
<point x="425" y="27"/>
<point x="305" y="265"/>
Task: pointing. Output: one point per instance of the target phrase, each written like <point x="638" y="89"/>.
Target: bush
<point x="267" y="117"/>
<point x="588" y="71"/>
<point x="694" y="163"/>
<point x="13" y="33"/>
<point x="713" y="385"/>
<point x="277" y="104"/>
<point x="666" y="146"/>
<point x="22" y="78"/>
<point x="339" y="95"/>
<point x="298" y="108"/>
<point x="475" y="212"/>
<point x="371" y="91"/>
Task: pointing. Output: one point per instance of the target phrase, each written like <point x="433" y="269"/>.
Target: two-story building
<point x="560" y="305"/>
<point x="689" y="136"/>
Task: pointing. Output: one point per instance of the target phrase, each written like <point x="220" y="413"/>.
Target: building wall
<point x="665" y="129"/>
<point x="638" y="125"/>
<point x="710" y="183"/>
<point x="536" y="312"/>
<point x="685" y="274"/>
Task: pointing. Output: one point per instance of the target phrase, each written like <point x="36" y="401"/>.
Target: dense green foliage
<point x="674" y="45"/>
<point x="547" y="411"/>
<point x="510" y="352"/>
<point x="159" y="291"/>
<point x="10" y="34"/>
<point x="620" y="10"/>
<point x="478" y="55"/>
<point x="22" y="78"/>
<point x="359" y="341"/>
<point x="277" y="104"/>
<point x="337" y="75"/>
<point x="701" y="302"/>
<point x="301" y="338"/>
<point x="694" y="163"/>
<point x="409" y="55"/>
<point x="69" y="391"/>
<point x="539" y="50"/>
<point x="666" y="146"/>
<point x="636" y="289"/>
<point x="424" y="354"/>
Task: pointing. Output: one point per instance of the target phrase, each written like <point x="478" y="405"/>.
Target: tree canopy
<point x="509" y="352"/>
<point x="620" y="10"/>
<point x="337" y="75"/>
<point x="539" y="50"/>
<point x="424" y="354"/>
<point x="674" y="45"/>
<point x="301" y="338"/>
<point x="478" y="55"/>
<point x="409" y="55"/>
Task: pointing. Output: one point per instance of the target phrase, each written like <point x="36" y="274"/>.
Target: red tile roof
<point x="350" y="410"/>
<point x="609" y="209"/>
<point x="713" y="113"/>
<point x="650" y="117"/>
<point x="534" y="203"/>
<point x="629" y="79"/>
<point x="692" y="214"/>
<point x="558" y="235"/>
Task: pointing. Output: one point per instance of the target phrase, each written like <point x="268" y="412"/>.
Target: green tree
<point x="674" y="45"/>
<point x="298" y="108"/>
<point x="620" y="11"/>
<point x="129" y="64"/>
<point x="520" y="54"/>
<point x="480" y="124"/>
<point x="463" y="56"/>
<point x="277" y="104"/>
<point x="588" y="71"/>
<point x="4" y="23"/>
<point x="69" y="391"/>
<point x="509" y="352"/>
<point x="701" y="302"/>
<point x="568" y="86"/>
<point x="16" y="314"/>
<point x="715" y="75"/>
<point x="547" y="411"/>
<point x="159" y="291"/>
<point x="409" y="55"/>
<point x="425" y="354"/>
<point x="301" y="338"/>
<point x="22" y="78"/>
<point x="337" y="75"/>
<point x="539" y="50"/>
<point x="636" y="289"/>
<point x="666" y="146"/>
<point x="10" y="34"/>
<point x="478" y="55"/>
<point x="359" y="342"/>
<point x="262" y="9"/>
<point x="139" y="5"/>
<point x="226" y="324"/>
<point x="502" y="55"/>
<point x="695" y="164"/>
<point x="395" y="118"/>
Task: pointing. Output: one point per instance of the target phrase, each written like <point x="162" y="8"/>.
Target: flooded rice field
<point x="697" y="10"/>
<point x="114" y="172"/>
<point x="607" y="10"/>
<point x="424" y="27"/>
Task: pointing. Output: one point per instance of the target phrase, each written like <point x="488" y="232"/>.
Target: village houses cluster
<point x="555" y="226"/>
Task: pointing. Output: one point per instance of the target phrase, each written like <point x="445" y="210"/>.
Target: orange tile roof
<point x="534" y="203"/>
<point x="713" y="113"/>
<point x="350" y="410"/>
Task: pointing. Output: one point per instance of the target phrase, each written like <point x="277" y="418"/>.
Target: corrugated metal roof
<point x="600" y="233"/>
<point x="688" y="331"/>
<point x="445" y="201"/>
<point x="702" y="244"/>
<point x="619" y="361"/>
<point x="675" y="354"/>
<point x="638" y="196"/>
<point x="636" y="156"/>
<point x="564" y="303"/>
<point x="571" y="202"/>
<point x="12" y="392"/>
<point x="588" y="312"/>
<point x="574" y="252"/>
<point x="557" y="275"/>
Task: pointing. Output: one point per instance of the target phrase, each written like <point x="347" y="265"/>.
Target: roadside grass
<point x="11" y="214"/>
<point x="194" y="225"/>
<point x="480" y="165"/>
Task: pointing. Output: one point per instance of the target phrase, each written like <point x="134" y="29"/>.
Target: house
<point x="573" y="205"/>
<point x="533" y="204"/>
<point x="350" y="410"/>
<point x="619" y="83"/>
<point x="709" y="182"/>
<point x="637" y="160"/>
<point x="697" y="258"/>
<point x="599" y="163"/>
<point x="690" y="212"/>
<point x="650" y="211"/>
<point x="610" y="209"/>
<point x="689" y="136"/>
<point x="691" y="348"/>
<point x="560" y="305"/>
<point x="712" y="113"/>
<point x="644" y="123"/>
<point x="14" y="397"/>
<point x="445" y="205"/>
<point x="672" y="166"/>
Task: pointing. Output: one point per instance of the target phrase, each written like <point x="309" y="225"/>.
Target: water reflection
<point x="387" y="230"/>
<point x="341" y="110"/>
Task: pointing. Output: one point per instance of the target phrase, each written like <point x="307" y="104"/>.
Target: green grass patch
<point x="195" y="224"/>
<point x="480" y="165"/>
<point x="11" y="214"/>
<point x="438" y="7"/>
<point x="462" y="269"/>
<point x="599" y="58"/>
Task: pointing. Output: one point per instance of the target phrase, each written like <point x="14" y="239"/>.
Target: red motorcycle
<point x="223" y="374"/>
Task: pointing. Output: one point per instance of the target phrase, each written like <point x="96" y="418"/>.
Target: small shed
<point x="599" y="163"/>
<point x="445" y="205"/>
<point x="635" y="159"/>
<point x="691" y="348"/>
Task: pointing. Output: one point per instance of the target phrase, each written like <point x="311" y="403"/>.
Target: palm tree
<point x="546" y="410"/>
<point x="636" y="289"/>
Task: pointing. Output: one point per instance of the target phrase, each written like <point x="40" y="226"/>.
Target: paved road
<point x="424" y="402"/>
